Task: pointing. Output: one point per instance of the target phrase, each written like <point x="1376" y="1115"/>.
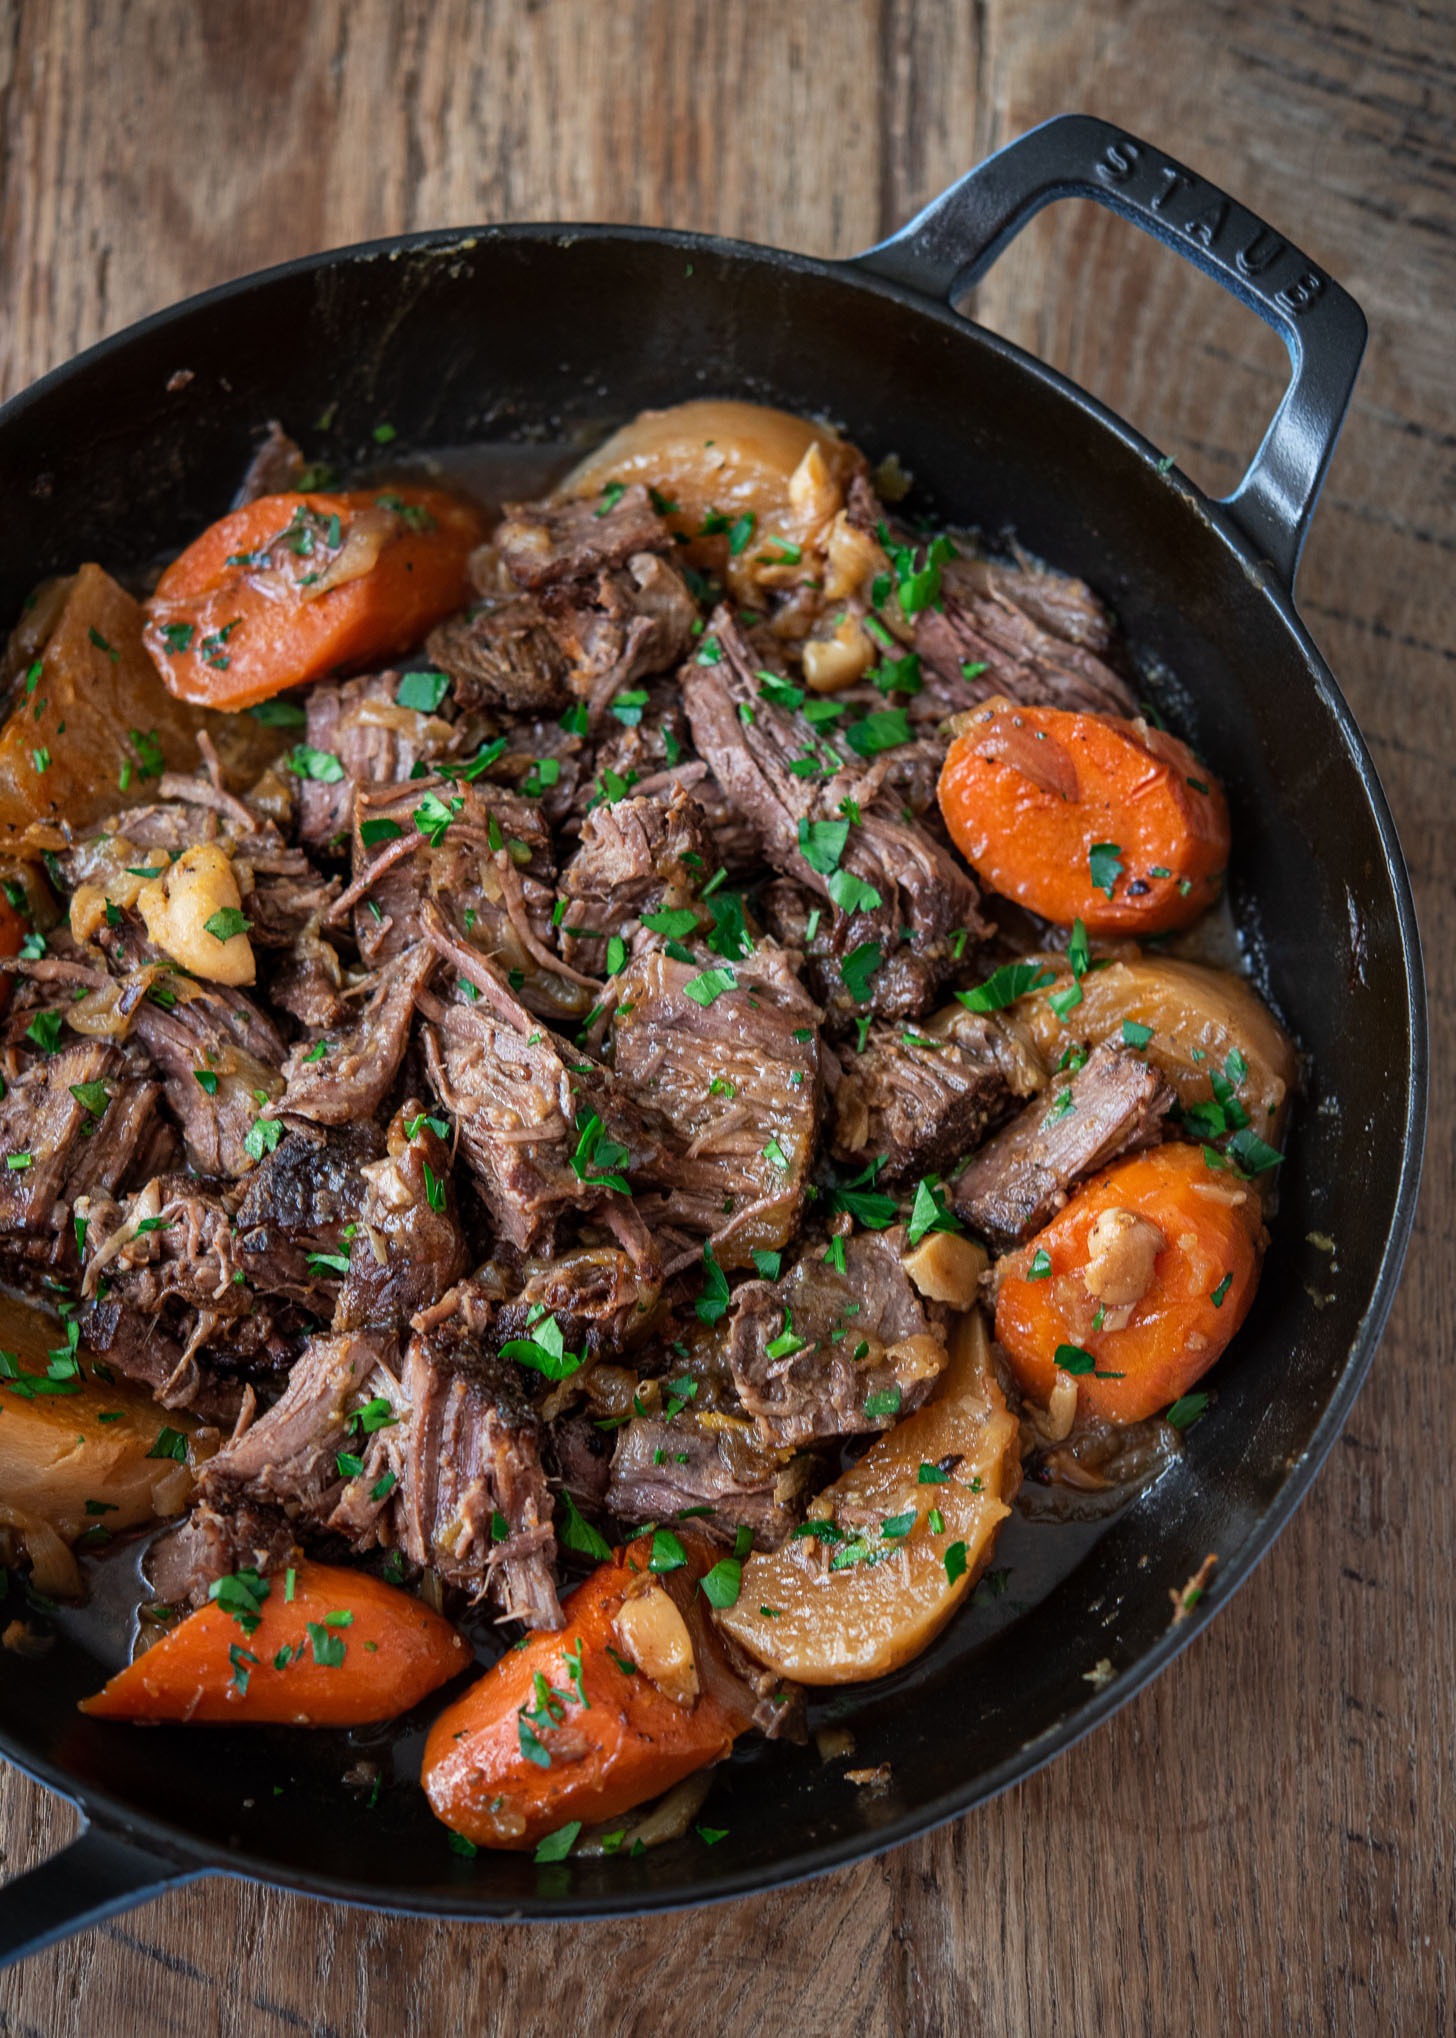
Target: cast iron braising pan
<point x="543" y="332"/>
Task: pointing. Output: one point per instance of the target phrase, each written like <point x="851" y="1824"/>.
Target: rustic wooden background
<point x="1264" y="1840"/>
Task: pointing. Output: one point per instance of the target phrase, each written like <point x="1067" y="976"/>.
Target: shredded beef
<point x="729" y="1092"/>
<point x="521" y="1112"/>
<point x="1112" y="1105"/>
<point x="184" y="1562"/>
<point x="662" y="1469"/>
<point x="862" y="1347"/>
<point x="348" y="1080"/>
<point x="630" y="624"/>
<point x="502" y="656"/>
<point x="1037" y="637"/>
<point x="925" y="1097"/>
<point x="913" y="899"/>
<point x="360" y="722"/>
<point x="636" y="856"/>
<point x="69" y="1148"/>
<point x="409" y="1247"/>
<point x="542" y="544"/>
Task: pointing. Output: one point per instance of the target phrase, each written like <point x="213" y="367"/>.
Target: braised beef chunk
<point x="177" y="1241"/>
<point x="636" y="856"/>
<point x="924" y="1097"/>
<point x="819" y="1353"/>
<point x="722" y="1062"/>
<point x="622" y="628"/>
<point x="342" y="1392"/>
<point x="1037" y="637"/>
<point x="474" y="1454"/>
<point x="538" y="1136"/>
<point x="602" y="1300"/>
<point x="483" y="860"/>
<point x="344" y="1081"/>
<point x="1113" y="1104"/>
<point x="302" y="1200"/>
<point x="502" y="656"/>
<point x="71" y="1125"/>
<point x="409" y="1247"/>
<point x="222" y="1035"/>
<point x="716" y="1471"/>
<point x="374" y="739"/>
<point x="889" y="907"/>
<point x="183" y="1563"/>
<point x="544" y="543"/>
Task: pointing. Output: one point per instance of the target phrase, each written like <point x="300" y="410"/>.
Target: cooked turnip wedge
<point x="910" y="1528"/>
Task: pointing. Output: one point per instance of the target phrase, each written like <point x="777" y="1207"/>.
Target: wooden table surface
<point x="1263" y="1841"/>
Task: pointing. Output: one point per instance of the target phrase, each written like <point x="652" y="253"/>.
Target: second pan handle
<point x="948" y="246"/>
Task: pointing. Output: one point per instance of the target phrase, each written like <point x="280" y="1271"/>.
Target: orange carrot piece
<point x="1202" y="1282"/>
<point x="1085" y="817"/>
<point x="569" y="1727"/>
<point x="344" y="1651"/>
<point x="295" y="586"/>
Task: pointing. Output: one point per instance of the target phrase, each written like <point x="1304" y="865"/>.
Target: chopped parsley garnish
<point x="930" y="1212"/>
<point x="422" y="691"/>
<point x="858" y="967"/>
<point x="955" y="1563"/>
<point x="1216" y="1298"/>
<point x="767" y="1263"/>
<point x="45" y="1030"/>
<point x="577" y="1533"/>
<point x="439" y="1126"/>
<point x="885" y="730"/>
<point x="556" y="1846"/>
<point x="932" y="1475"/>
<point x="713" y="1302"/>
<point x="328" y="1647"/>
<point x="170" y="1443"/>
<point x="722" y="1585"/>
<point x="598" y="1159"/>
<point x="1186" y="1410"/>
<point x="675" y="921"/>
<point x="372" y="833"/>
<point x="544" y="1351"/>
<point x="1103" y="864"/>
<point x="240" y="1593"/>
<point x="177" y="637"/>
<point x="1253" y="1154"/>
<point x="885" y="1401"/>
<point x="918" y="585"/>
<point x="435" y="1191"/>
<point x="612" y="494"/>
<point x="821" y="843"/>
<point x="668" y="1553"/>
<point x="1004" y="986"/>
<point x="92" y="1097"/>
<point x="851" y="894"/>
<point x="775" y="1153"/>
<point x="433" y="816"/>
<point x="709" y="985"/>
<point x="1040" y="1266"/>
<point x="227" y="923"/>
<point x="262" y="1137"/>
<point x="1134" y="1034"/>
<point x="739" y="534"/>
<point x="320" y="765"/>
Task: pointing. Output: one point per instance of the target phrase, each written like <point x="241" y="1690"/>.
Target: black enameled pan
<point x="544" y="333"/>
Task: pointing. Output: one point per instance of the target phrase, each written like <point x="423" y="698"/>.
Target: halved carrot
<point x="341" y="1649"/>
<point x="627" y="1699"/>
<point x="1197" y="1292"/>
<point x="296" y="586"/>
<point x="1085" y="817"/>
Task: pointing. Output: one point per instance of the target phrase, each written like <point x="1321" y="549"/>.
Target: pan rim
<point x="194" y="1857"/>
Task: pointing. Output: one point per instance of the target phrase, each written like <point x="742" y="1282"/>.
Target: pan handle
<point x="99" y="1873"/>
<point x="952" y="243"/>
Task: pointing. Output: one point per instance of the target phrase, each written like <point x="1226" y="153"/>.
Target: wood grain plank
<point x="1264" y="1839"/>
